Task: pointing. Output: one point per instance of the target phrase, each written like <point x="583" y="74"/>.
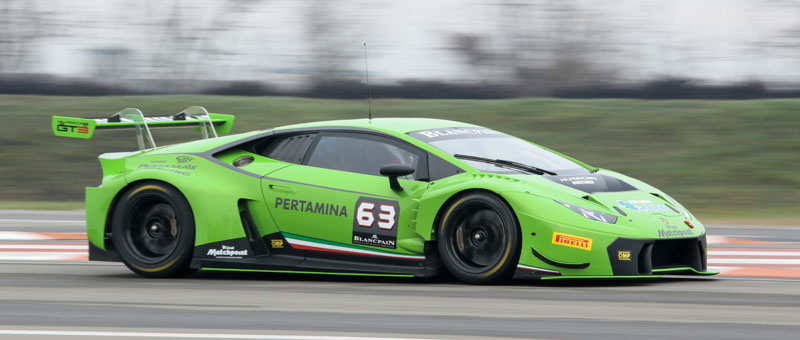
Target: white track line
<point x="188" y="335"/>
<point x="41" y="221"/>
<point x="45" y="246"/>
<point x="714" y="239"/>
<point x="21" y="235"/>
<point x="32" y="236"/>
<point x="754" y="261"/>
<point x="754" y="253"/>
<point x="64" y="262"/>
<point x="39" y="256"/>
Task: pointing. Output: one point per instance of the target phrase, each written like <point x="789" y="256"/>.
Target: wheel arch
<point x="506" y="267"/>
<point x="455" y="196"/>
<point x="109" y="245"/>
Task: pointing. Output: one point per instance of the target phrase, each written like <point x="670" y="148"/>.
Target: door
<point x="337" y="201"/>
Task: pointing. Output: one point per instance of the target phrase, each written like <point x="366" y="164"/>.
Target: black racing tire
<point x="153" y="230"/>
<point x="479" y="239"/>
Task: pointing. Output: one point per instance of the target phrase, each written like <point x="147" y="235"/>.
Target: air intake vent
<point x="677" y="253"/>
<point x="251" y="231"/>
<point x="668" y="203"/>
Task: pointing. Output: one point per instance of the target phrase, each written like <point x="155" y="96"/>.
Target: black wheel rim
<point x="477" y="239"/>
<point x="153" y="231"/>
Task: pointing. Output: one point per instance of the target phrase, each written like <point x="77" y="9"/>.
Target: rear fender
<point x="213" y="193"/>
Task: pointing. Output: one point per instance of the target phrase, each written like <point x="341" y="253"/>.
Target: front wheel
<point x="153" y="230"/>
<point x="479" y="239"/>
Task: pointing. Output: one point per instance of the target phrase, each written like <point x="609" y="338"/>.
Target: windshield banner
<point x="433" y="135"/>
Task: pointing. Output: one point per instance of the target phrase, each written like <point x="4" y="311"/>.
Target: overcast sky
<point x="717" y="40"/>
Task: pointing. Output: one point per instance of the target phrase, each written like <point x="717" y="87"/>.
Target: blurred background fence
<point x="735" y="49"/>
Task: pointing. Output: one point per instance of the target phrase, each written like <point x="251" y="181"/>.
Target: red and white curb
<point x="53" y="246"/>
<point x="30" y="236"/>
<point x="769" y="262"/>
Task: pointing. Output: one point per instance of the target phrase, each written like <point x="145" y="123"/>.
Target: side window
<point x="365" y="155"/>
<point x="440" y="168"/>
<point x="288" y="149"/>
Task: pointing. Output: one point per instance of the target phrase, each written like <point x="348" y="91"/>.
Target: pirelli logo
<point x="572" y="241"/>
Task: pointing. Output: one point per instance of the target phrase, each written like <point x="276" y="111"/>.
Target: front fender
<point x="442" y="191"/>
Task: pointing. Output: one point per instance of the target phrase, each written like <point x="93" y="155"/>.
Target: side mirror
<point x="396" y="170"/>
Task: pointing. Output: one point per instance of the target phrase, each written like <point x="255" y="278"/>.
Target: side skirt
<point x="285" y="258"/>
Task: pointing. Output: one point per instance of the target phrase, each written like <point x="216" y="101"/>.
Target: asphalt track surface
<point x="43" y="298"/>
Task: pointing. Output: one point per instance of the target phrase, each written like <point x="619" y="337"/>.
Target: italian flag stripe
<point x="307" y="243"/>
<point x="522" y="266"/>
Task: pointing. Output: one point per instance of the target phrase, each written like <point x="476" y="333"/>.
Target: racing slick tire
<point x="153" y="230"/>
<point x="479" y="239"/>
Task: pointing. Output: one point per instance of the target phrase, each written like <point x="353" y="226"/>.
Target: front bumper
<point x="624" y="258"/>
<point x="647" y="257"/>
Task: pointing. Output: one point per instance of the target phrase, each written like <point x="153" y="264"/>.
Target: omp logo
<point x="572" y="241"/>
<point x="276" y="243"/>
<point x="624" y="255"/>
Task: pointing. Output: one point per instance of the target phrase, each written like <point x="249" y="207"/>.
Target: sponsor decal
<point x="184" y="159"/>
<point x="592" y="183"/>
<point x="643" y="206"/>
<point x="227" y="252"/>
<point x="572" y="241"/>
<point x="672" y="230"/>
<point x="276" y="243"/>
<point x="666" y="223"/>
<point x="72" y="126"/>
<point x="181" y="169"/>
<point x="663" y="233"/>
<point x="579" y="180"/>
<point x="306" y="243"/>
<point x="375" y="222"/>
<point x="623" y="255"/>
<point x="310" y="207"/>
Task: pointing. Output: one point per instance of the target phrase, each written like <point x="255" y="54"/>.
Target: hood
<point x="617" y="194"/>
<point x="640" y="209"/>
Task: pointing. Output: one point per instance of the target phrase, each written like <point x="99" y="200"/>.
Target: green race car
<point x="383" y="197"/>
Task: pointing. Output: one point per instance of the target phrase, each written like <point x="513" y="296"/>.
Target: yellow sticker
<point x="276" y="243"/>
<point x="572" y="241"/>
<point x="624" y="255"/>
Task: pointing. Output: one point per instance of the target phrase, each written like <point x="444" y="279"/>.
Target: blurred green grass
<point x="724" y="160"/>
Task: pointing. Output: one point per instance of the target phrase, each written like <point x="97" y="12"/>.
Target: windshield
<point x="491" y="144"/>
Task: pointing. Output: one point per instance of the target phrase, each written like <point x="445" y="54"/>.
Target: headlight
<point x="591" y="214"/>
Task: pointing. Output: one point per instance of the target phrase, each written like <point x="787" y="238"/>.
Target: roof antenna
<point x="369" y="92"/>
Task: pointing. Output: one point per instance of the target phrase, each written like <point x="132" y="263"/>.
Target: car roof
<point x="392" y="125"/>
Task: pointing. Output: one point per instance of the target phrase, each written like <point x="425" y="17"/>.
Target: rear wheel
<point x="479" y="239"/>
<point x="153" y="230"/>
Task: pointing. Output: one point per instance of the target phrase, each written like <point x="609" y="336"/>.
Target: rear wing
<point x="209" y="124"/>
